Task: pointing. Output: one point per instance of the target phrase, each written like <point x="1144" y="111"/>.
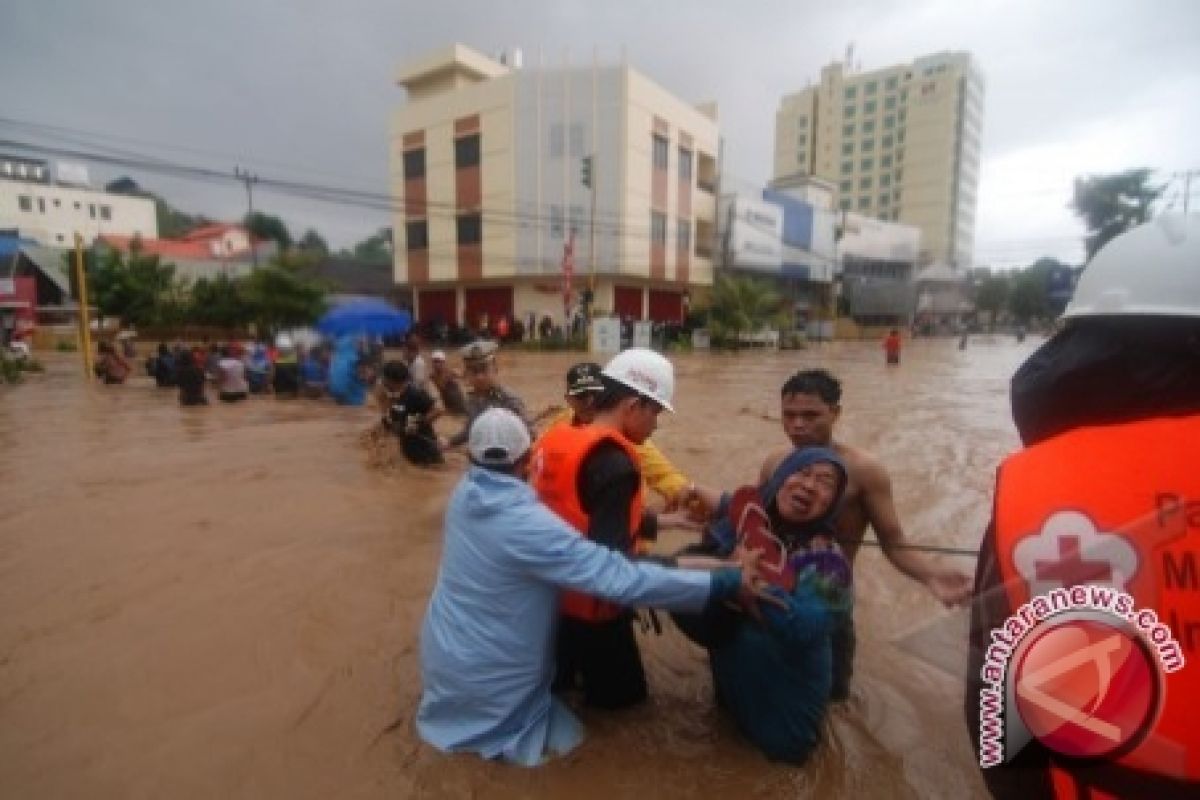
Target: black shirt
<point x="412" y="401"/>
<point x="608" y="481"/>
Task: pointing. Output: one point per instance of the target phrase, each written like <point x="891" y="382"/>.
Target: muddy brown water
<point x="225" y="601"/>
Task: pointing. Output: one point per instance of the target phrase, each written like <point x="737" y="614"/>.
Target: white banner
<point x="606" y="335"/>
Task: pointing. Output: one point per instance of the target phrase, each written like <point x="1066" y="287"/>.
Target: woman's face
<point x="808" y="493"/>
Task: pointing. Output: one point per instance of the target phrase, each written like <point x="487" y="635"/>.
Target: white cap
<point x="1153" y="269"/>
<point x="646" y="372"/>
<point x="284" y="342"/>
<point x="438" y="355"/>
<point x="498" y="438"/>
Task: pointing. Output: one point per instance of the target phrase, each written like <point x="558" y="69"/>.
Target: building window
<point x="78" y="206"/>
<point x="658" y="229"/>
<point x="896" y="195"/>
<point x="42" y="205"/>
<point x="417" y="235"/>
<point x="900" y="136"/>
<point x="92" y="210"/>
<point x="684" y="236"/>
<point x="866" y="164"/>
<point x="576" y="219"/>
<point x="414" y="164"/>
<point x="889" y="103"/>
<point x="903" y="114"/>
<point x="885" y="180"/>
<point x="660" y="152"/>
<point x="871" y="87"/>
<point x="470" y="228"/>
<point x="576" y="140"/>
<point x="889" y="122"/>
<point x="106" y="212"/>
<point x="25" y="202"/>
<point x="848" y="129"/>
<point x="847" y="167"/>
<point x="57" y="202"/>
<point x="556" y="222"/>
<point x="884" y="199"/>
<point x="801" y="122"/>
<point x="864" y="203"/>
<point x="466" y="151"/>
<point x="867" y="145"/>
<point x="845" y="204"/>
<point x="851" y="92"/>
<point x="899" y="175"/>
<point x="886" y="142"/>
<point x="885" y="161"/>
<point x="848" y="148"/>
<point x="899" y="154"/>
<point x="848" y="111"/>
<point x="869" y="107"/>
<point x="864" y="182"/>
<point x="685" y="164"/>
<point x="846" y="186"/>
<point x="892" y="83"/>
<point x="868" y="126"/>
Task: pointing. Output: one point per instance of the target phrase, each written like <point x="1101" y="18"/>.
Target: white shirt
<point x="232" y="378"/>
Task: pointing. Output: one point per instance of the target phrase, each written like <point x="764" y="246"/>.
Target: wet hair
<point x="614" y="392"/>
<point x="395" y="372"/>
<point x="817" y="382"/>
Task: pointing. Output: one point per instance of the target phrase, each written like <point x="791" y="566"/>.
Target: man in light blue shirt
<point x="487" y="643"/>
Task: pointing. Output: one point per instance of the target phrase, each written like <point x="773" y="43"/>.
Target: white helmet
<point x="284" y="342"/>
<point x="1153" y="269"/>
<point x="646" y="372"/>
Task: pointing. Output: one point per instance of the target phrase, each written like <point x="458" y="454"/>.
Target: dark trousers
<point x="602" y="659"/>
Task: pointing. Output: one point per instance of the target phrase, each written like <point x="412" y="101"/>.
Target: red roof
<point x="195" y="245"/>
<point x="214" y="230"/>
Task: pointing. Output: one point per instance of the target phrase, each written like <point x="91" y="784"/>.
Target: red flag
<point x="568" y="270"/>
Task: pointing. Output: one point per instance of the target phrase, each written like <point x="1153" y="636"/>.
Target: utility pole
<point x="85" y="324"/>
<point x="249" y="179"/>
<point x="589" y="180"/>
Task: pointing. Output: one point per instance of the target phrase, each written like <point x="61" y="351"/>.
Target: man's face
<point x="808" y="420"/>
<point x="481" y="374"/>
<point x="808" y="493"/>
<point x="582" y="406"/>
<point x="640" y="419"/>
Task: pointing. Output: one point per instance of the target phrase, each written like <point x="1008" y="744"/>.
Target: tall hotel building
<point x="899" y="144"/>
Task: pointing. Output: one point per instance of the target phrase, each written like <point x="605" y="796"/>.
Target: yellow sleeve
<point x="659" y="473"/>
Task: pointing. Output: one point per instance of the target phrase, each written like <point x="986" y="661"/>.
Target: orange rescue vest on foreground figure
<point x="557" y="458"/>
<point x="1140" y="481"/>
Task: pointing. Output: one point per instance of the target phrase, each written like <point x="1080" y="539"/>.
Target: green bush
<point x="10" y="370"/>
<point x="65" y="346"/>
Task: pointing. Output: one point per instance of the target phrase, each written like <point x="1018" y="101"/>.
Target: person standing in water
<point x="479" y="360"/>
<point x="408" y="413"/>
<point x="891" y="347"/>
<point x="811" y="404"/>
<point x="447" y="384"/>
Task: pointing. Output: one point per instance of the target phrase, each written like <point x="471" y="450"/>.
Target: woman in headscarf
<point x="774" y="675"/>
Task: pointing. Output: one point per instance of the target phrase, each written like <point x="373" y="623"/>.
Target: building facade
<point x="899" y="143"/>
<point x="498" y="169"/>
<point x="51" y="213"/>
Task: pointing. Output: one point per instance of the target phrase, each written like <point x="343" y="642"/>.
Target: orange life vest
<point x="1139" y="481"/>
<point x="554" y="473"/>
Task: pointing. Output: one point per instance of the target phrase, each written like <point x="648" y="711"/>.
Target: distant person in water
<point x="285" y="372"/>
<point x="447" y="384"/>
<point x="190" y="379"/>
<point x="231" y="375"/>
<point x="891" y="347"/>
<point x="112" y="366"/>
<point x="408" y="413"/>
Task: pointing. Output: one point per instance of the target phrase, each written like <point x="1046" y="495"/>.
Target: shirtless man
<point x="810" y="407"/>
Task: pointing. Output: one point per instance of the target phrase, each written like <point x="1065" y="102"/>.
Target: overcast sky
<point x="302" y="89"/>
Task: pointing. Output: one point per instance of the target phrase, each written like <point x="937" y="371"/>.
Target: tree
<point x="267" y="226"/>
<point x="1111" y="204"/>
<point x="138" y="288"/>
<point x="218" y="301"/>
<point x="313" y="242"/>
<point x="1030" y="288"/>
<point x="279" y="296"/>
<point x="376" y="248"/>
<point x="743" y="305"/>
<point x="991" y="294"/>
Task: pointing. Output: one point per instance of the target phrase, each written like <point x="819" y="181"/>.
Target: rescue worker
<point x="1109" y="412"/>
<point x="660" y="475"/>
<point x="590" y="476"/>
<point x="479" y="364"/>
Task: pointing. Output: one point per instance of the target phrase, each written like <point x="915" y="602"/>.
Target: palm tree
<point x="743" y="305"/>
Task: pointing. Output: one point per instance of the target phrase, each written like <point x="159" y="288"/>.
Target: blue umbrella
<point x="366" y="316"/>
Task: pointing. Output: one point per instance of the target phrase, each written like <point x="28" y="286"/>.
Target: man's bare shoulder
<point x="772" y="462"/>
<point x="864" y="467"/>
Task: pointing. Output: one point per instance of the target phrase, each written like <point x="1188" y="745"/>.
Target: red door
<point x="666" y="306"/>
<point x="627" y="302"/>
<point x="495" y="301"/>
<point x="437" y="305"/>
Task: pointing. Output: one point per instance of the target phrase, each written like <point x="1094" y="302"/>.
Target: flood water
<point x="225" y="601"/>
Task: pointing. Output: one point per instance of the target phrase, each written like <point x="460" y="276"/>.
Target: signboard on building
<point x="755" y="235"/>
<point x="8" y="286"/>
<point x="641" y="334"/>
<point x="605" y="335"/>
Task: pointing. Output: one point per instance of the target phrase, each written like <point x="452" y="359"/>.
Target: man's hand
<point x="951" y="587"/>
<point x="679" y="520"/>
<point x="754" y="587"/>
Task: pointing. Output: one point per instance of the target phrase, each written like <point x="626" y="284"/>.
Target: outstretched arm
<point x="952" y="587"/>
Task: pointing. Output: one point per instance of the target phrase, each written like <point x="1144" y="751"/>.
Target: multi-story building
<point x="490" y="166"/>
<point x="899" y="143"/>
<point x="51" y="212"/>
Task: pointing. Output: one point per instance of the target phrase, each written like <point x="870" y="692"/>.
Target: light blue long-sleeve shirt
<point x="487" y="643"/>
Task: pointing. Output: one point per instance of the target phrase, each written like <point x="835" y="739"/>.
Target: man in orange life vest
<point x="590" y="476"/>
<point x="1109" y="412"/>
